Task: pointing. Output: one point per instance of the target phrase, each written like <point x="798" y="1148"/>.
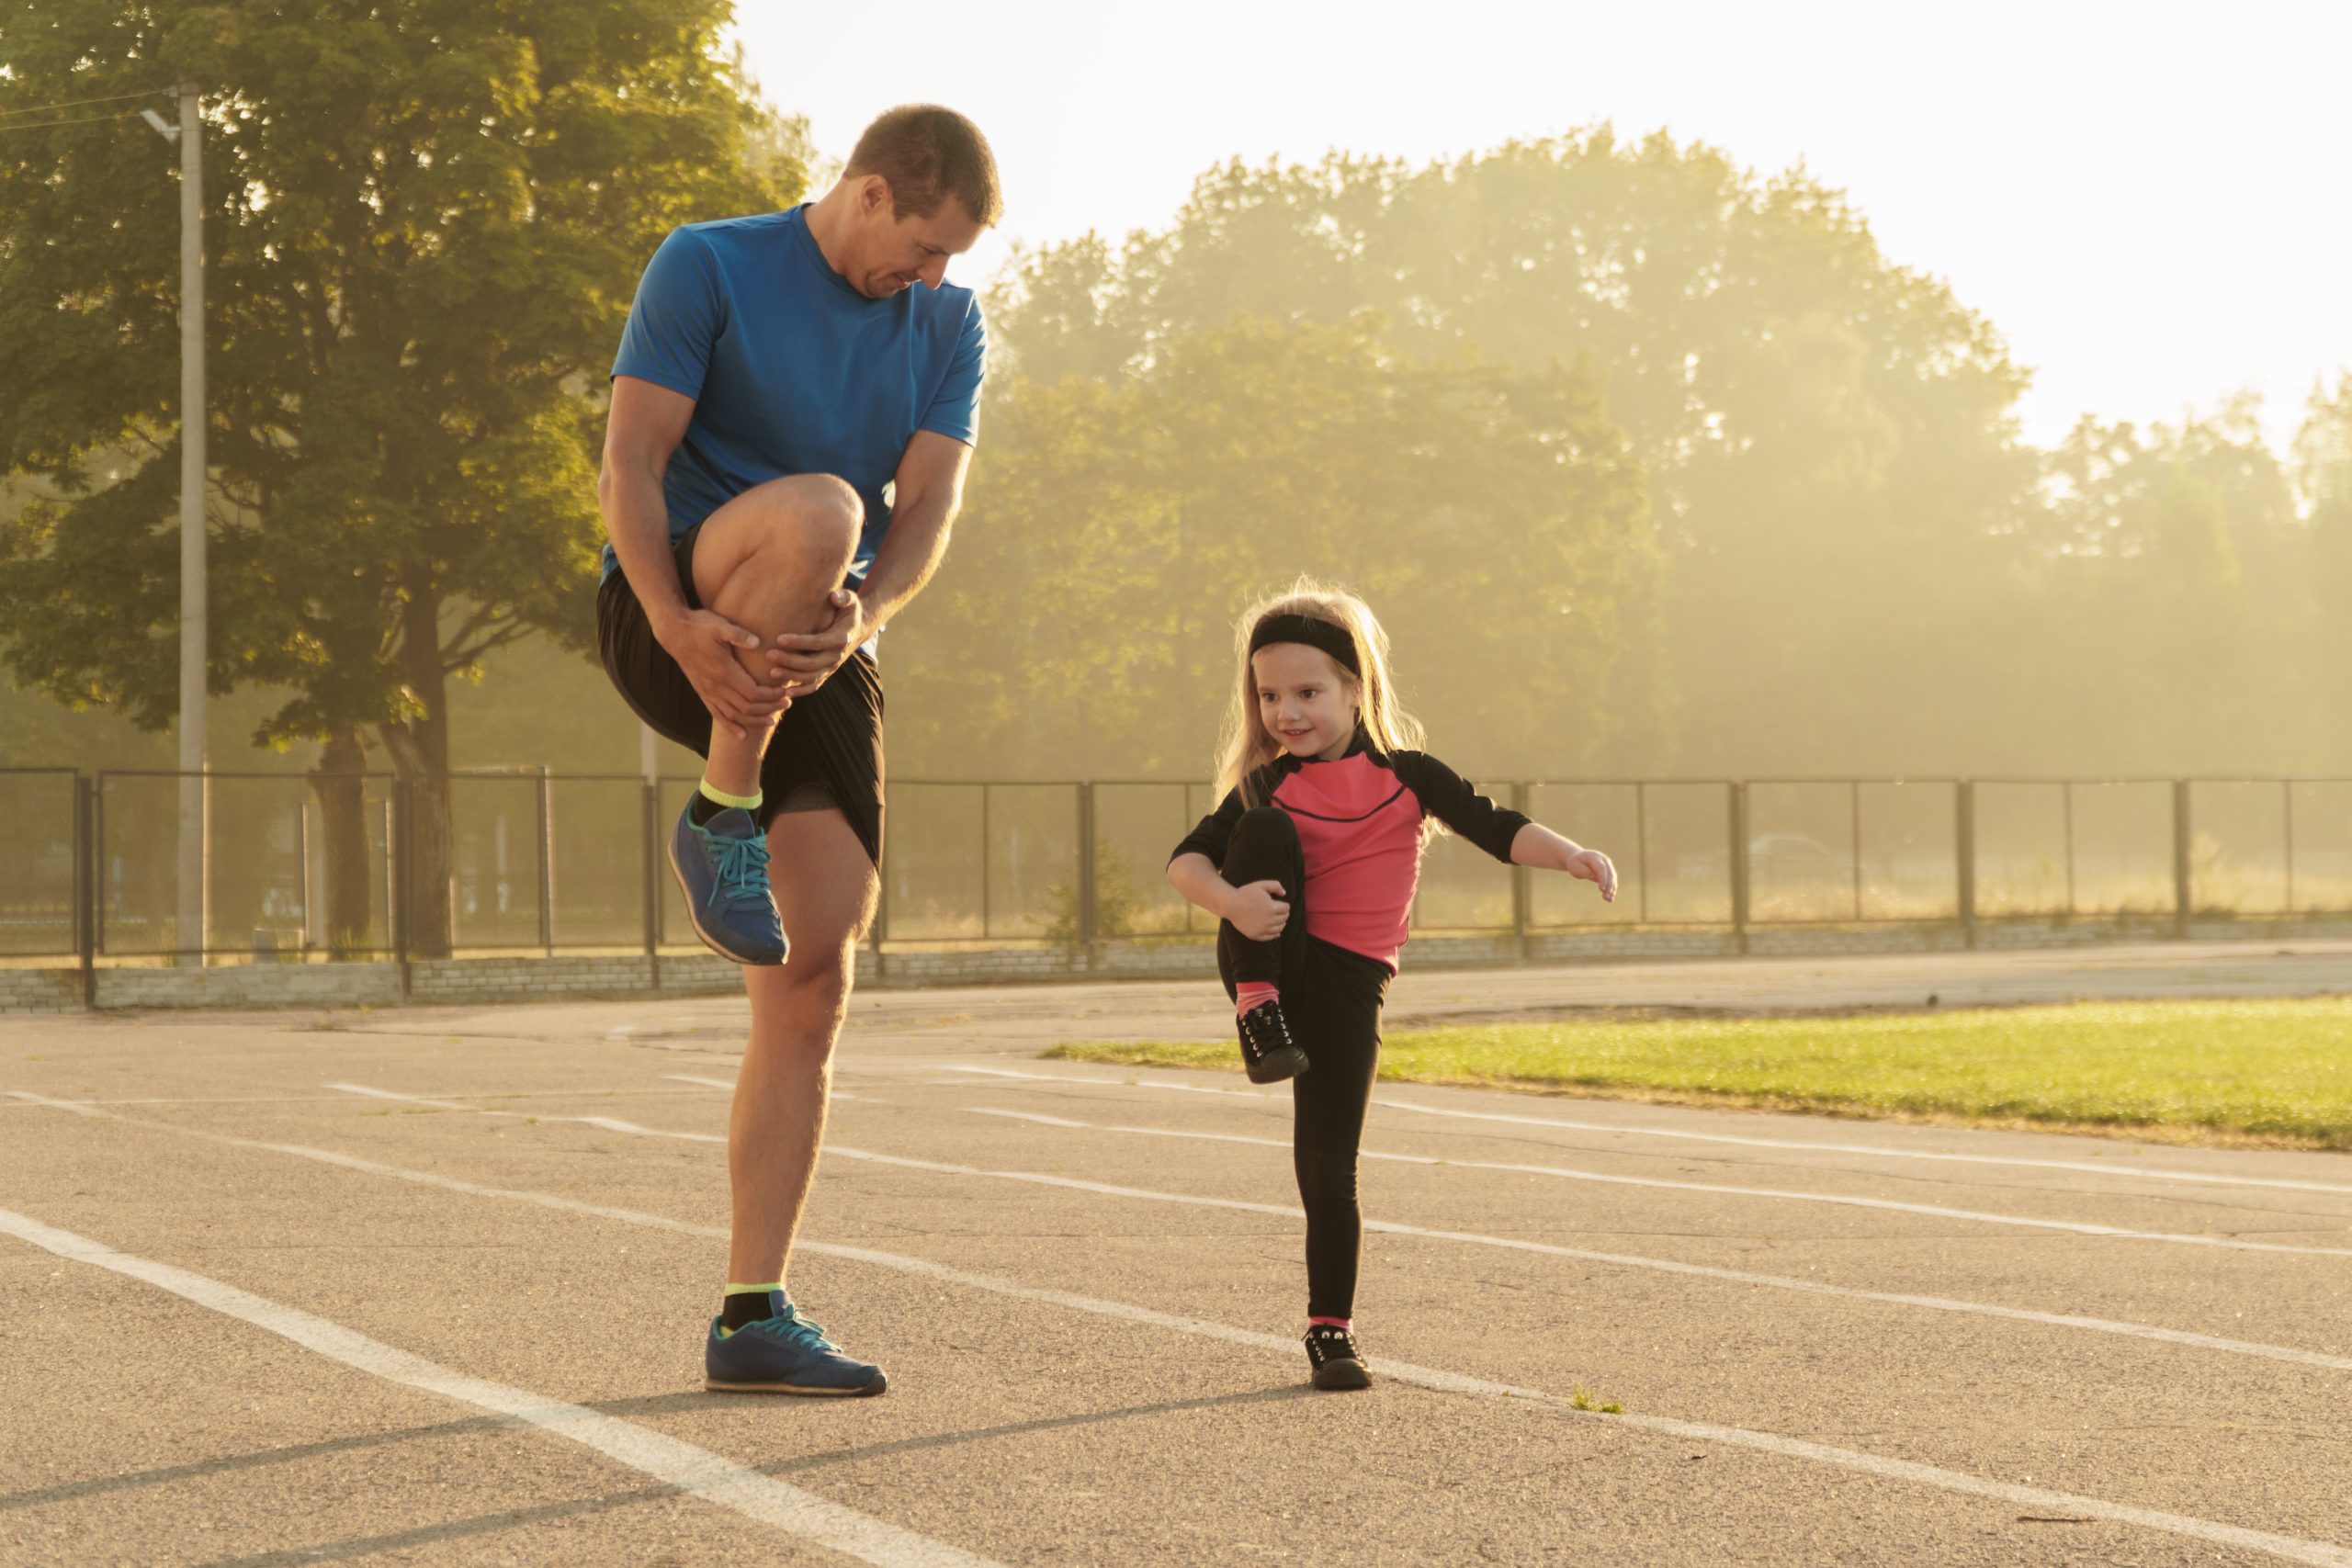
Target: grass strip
<point x="2275" y="1071"/>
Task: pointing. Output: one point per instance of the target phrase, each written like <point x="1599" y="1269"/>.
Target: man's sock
<point x="1345" y="1325"/>
<point x="1249" y="994"/>
<point x="745" y="1304"/>
<point x="709" y="803"/>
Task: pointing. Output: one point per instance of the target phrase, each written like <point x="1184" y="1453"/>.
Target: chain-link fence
<point x="323" y="866"/>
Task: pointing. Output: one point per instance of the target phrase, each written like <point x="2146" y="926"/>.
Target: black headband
<point x="1313" y="632"/>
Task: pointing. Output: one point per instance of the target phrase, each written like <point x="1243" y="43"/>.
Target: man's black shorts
<point x="829" y="743"/>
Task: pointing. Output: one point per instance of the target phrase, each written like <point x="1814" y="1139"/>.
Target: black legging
<point x="1333" y="998"/>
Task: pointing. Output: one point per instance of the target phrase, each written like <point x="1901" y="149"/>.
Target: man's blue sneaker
<point x="723" y="868"/>
<point x="785" y="1354"/>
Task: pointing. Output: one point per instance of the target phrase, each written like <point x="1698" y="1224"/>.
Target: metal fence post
<point x="1854" y="834"/>
<point x="303" y="873"/>
<point x="1086" y="890"/>
<point x="546" y="861"/>
<point x="1963" y="843"/>
<point x="2182" y="871"/>
<point x="2066" y="801"/>
<point x="649" y="824"/>
<point x="85" y="888"/>
<point x="1739" y="794"/>
<point x="1642" y="852"/>
<point x="98" y="856"/>
<point x="402" y="868"/>
<point x="2286" y="828"/>
<point x="391" y="871"/>
<point x="1523" y="883"/>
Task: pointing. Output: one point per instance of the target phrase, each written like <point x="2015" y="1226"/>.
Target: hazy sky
<point x="2150" y="206"/>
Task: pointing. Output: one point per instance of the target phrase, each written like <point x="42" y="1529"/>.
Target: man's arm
<point x="929" y="491"/>
<point x="646" y="423"/>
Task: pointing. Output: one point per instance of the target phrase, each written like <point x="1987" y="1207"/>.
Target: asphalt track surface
<point x="428" y="1286"/>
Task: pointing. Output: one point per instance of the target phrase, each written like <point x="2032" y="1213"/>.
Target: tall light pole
<point x="195" y="911"/>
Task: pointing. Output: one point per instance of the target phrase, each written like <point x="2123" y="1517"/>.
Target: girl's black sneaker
<point x="1331" y="1351"/>
<point x="1268" y="1053"/>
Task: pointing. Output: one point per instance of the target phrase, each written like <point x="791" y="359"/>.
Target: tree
<point x="2322" y="471"/>
<point x="1826" y="436"/>
<point x="2165" y="601"/>
<point x="1082" y="626"/>
<point x="424" y="222"/>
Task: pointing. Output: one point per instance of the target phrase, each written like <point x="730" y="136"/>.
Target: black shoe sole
<point x="1345" y="1373"/>
<point x="670" y="854"/>
<point x="1276" y="1065"/>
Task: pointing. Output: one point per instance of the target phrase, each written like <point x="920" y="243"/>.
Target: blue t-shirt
<point x="791" y="369"/>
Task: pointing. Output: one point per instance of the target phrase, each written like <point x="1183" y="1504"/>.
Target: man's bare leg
<point x="778" y="1120"/>
<point x="770" y="562"/>
<point x="767" y="560"/>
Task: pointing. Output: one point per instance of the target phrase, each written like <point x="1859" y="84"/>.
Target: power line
<point x="80" y="103"/>
<point x="46" y="124"/>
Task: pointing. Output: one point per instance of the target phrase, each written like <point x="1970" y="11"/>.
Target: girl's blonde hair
<point x="1247" y="747"/>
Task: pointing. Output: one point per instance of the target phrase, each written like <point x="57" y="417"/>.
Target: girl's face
<point x="1306" y="701"/>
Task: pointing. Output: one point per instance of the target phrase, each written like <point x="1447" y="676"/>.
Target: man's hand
<point x="704" y="644"/>
<point x="806" y="660"/>
<point x="1259" y="910"/>
<point x="1595" y="867"/>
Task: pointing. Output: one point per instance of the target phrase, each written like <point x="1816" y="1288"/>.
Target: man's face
<point x="890" y="255"/>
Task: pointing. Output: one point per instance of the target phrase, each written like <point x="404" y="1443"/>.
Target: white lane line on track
<point x="330" y="1098"/>
<point x="693" y="1470"/>
<point x="1817" y="1287"/>
<point x="729" y="1085"/>
<point x="1876" y="1151"/>
<point x="2293" y="1549"/>
<point x="1568" y="1173"/>
<point x="609" y="1123"/>
<point x="1516" y="1244"/>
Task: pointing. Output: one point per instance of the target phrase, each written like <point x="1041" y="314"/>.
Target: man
<point x="793" y="405"/>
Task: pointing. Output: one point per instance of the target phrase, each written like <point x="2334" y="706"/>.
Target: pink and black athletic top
<point x="1359" y="822"/>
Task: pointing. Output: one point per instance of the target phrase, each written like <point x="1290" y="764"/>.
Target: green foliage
<point x="1821" y="432"/>
<point x="1120" y="909"/>
<point x="1114" y="528"/>
<point x="425" y="221"/>
<point x="2175" y="593"/>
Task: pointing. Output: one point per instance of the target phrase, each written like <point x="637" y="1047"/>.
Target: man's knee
<point x="806" y="514"/>
<point x="810" y="992"/>
<point x="797" y="534"/>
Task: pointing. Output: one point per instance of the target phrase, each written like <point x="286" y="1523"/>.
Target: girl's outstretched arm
<point x="1538" y="846"/>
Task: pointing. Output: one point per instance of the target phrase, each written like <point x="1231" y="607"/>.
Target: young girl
<point x="1309" y="864"/>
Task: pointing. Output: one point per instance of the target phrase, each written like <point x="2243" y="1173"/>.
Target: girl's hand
<point x="1259" y="910"/>
<point x="1594" y="866"/>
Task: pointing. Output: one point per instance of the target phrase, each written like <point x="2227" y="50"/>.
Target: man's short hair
<point x="927" y="152"/>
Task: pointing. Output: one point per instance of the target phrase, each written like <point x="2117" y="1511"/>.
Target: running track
<point x="424" y="1287"/>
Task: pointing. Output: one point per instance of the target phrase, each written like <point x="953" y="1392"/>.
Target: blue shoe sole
<point x="879" y="1384"/>
<point x="677" y="874"/>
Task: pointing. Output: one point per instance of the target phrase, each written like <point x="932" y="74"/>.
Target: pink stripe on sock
<point x="1347" y="1323"/>
<point x="1249" y="994"/>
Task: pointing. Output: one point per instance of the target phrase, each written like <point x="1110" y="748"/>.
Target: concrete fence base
<point x="575" y="977"/>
